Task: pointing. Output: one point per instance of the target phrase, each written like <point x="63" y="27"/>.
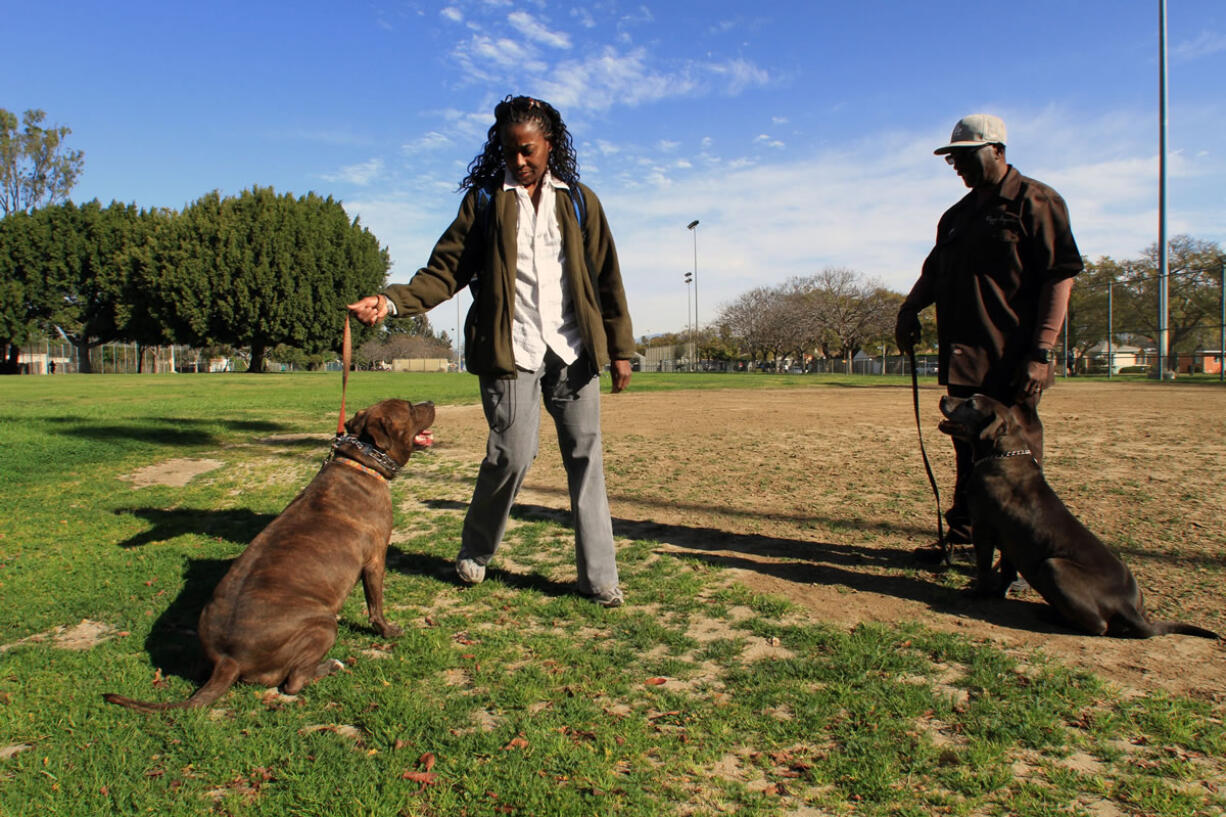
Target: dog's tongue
<point x="424" y="438"/>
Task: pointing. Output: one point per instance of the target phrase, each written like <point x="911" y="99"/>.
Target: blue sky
<point x="800" y="134"/>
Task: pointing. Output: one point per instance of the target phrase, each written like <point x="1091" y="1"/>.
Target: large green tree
<point x="24" y="300"/>
<point x="68" y="268"/>
<point x="262" y="269"/>
<point x="36" y="168"/>
<point x="1193" y="295"/>
<point x="95" y="250"/>
<point x="1088" y="311"/>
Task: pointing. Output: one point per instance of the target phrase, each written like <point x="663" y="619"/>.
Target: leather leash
<point x="941" y="543"/>
<point x="346" y="357"/>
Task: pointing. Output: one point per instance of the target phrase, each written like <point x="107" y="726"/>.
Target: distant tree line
<point x="407" y="337"/>
<point x="837" y="312"/>
<point x="257" y="270"/>
<point x="1120" y="299"/>
<point x="833" y="314"/>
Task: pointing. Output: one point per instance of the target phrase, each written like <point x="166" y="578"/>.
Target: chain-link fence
<point x="61" y="357"/>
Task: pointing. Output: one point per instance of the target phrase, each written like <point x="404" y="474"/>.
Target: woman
<point x="549" y="312"/>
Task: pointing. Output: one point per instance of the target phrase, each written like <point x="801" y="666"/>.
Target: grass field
<point x="778" y="655"/>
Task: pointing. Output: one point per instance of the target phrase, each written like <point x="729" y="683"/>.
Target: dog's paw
<point x="384" y="627"/>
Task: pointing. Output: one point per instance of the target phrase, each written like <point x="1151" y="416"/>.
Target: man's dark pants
<point x="958" y="517"/>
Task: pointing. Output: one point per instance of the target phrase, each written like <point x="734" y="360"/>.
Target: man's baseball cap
<point x="974" y="131"/>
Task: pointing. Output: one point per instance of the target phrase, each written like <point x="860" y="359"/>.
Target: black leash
<point x="941" y="543"/>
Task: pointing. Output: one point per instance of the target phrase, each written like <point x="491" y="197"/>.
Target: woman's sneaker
<point x="610" y="598"/>
<point x="469" y="571"/>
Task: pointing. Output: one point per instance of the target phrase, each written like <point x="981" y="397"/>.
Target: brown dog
<point x="1013" y="509"/>
<point x="273" y="616"/>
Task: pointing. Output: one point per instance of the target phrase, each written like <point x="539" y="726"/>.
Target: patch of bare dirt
<point x="819" y="495"/>
<point x="175" y="473"/>
<point x="83" y="636"/>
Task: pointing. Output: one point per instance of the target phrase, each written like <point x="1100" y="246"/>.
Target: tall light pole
<point x="692" y="228"/>
<point x="689" y="325"/>
<point x="1163" y="268"/>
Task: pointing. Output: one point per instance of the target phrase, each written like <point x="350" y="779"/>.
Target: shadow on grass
<point x="803" y="562"/>
<point x="173" y="644"/>
<point x="699" y="507"/>
<point x="1170" y="557"/>
<point x="177" y="431"/>
<point x="443" y="570"/>
<point x="235" y="524"/>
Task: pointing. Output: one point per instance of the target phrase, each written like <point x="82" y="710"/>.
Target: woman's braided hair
<point x="489" y="165"/>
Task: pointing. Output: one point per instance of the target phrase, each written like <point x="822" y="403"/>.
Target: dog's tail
<point x="225" y="674"/>
<point x="1136" y="625"/>
<point x="1179" y="628"/>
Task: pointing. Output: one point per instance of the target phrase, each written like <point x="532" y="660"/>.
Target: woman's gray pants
<point x="513" y="410"/>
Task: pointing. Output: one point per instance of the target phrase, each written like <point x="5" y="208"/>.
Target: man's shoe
<point x="610" y="598"/>
<point x="1017" y="587"/>
<point x="469" y="571"/>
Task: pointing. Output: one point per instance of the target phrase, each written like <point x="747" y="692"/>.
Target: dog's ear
<point x="370" y="423"/>
<point x="997" y="425"/>
<point x="356" y="423"/>
<point x="1023" y="415"/>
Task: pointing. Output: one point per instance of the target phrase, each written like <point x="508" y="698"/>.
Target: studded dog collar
<point x="380" y="458"/>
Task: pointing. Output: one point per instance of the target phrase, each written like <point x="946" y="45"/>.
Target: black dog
<point x="1013" y="509"/>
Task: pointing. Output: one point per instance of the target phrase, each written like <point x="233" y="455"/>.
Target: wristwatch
<point x="1041" y="355"/>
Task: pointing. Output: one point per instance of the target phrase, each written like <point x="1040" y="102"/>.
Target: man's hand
<point x="620" y="370"/>
<point x="907" y="331"/>
<point x="370" y="310"/>
<point x="1034" y="377"/>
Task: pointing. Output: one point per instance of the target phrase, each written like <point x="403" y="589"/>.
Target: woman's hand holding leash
<point x="369" y="310"/>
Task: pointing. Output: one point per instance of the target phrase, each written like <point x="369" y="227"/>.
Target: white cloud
<point x="535" y="30"/>
<point x="667" y="145"/>
<point x="452" y="13"/>
<point x="607" y="148"/>
<point x="503" y="53"/>
<point x="609" y="78"/>
<point x="1204" y="45"/>
<point x="584" y="17"/>
<point x="432" y="140"/>
<point x="360" y="174"/>
<point x="739" y="74"/>
<point x="873" y="206"/>
<point x="612" y="77"/>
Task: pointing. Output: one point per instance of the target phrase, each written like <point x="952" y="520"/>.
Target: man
<point x="1000" y="276"/>
<point x="549" y="310"/>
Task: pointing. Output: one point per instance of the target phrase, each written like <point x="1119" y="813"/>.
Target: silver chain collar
<point x="1020" y="452"/>
<point x="380" y="458"/>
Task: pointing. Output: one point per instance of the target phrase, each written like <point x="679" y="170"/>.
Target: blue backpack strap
<point x="481" y="224"/>
<point x="579" y="202"/>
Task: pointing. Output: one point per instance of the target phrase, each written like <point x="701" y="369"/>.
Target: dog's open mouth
<point x="954" y="429"/>
<point x="423" y="439"/>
